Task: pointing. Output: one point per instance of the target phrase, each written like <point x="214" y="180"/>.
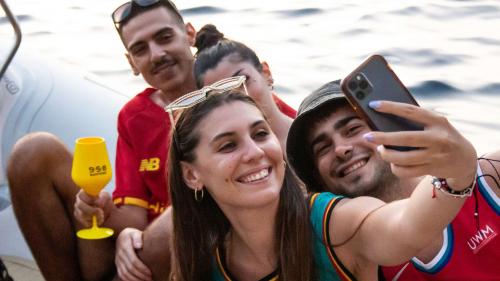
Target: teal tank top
<point x="328" y="266"/>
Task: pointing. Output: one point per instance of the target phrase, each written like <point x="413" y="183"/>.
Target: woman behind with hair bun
<point x="219" y="57"/>
<point x="208" y="36"/>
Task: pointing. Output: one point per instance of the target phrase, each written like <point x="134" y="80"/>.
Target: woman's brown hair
<point x="201" y="227"/>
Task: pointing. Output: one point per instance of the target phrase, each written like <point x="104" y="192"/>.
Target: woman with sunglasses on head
<point x="219" y="57"/>
<point x="239" y="214"/>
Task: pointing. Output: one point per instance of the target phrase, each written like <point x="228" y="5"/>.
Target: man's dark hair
<point x="136" y="10"/>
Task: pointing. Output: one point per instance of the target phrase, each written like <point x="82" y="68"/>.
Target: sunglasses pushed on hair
<point x="195" y="97"/>
<point x="124" y="10"/>
<point x="198" y="96"/>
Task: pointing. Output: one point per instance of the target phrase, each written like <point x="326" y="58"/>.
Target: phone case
<point x="375" y="80"/>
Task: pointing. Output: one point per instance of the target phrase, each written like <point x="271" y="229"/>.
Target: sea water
<point x="447" y="52"/>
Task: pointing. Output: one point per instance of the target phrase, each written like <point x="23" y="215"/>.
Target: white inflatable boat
<point x="37" y="95"/>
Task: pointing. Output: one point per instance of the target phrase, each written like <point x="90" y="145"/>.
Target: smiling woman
<point x="251" y="178"/>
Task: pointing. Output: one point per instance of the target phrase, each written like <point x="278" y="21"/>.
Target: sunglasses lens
<point x="192" y="100"/>
<point x="195" y="97"/>
<point x="187" y="100"/>
<point x="122" y="12"/>
<point x="228" y="84"/>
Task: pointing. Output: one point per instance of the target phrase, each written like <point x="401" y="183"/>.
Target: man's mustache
<point x="159" y="64"/>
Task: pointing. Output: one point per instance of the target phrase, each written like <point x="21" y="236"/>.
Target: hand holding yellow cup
<point x="91" y="171"/>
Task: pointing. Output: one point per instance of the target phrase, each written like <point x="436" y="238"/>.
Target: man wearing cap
<point x="328" y="152"/>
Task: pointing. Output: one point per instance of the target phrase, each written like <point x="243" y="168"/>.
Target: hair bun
<point x="207" y="37"/>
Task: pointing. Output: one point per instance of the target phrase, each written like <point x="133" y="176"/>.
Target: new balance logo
<point x="151" y="164"/>
<point x="481" y="238"/>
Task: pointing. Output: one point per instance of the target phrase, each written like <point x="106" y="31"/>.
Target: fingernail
<point x="374" y="104"/>
<point x="368" y="137"/>
<point x="380" y="148"/>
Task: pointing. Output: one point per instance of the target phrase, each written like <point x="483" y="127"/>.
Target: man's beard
<point x="383" y="184"/>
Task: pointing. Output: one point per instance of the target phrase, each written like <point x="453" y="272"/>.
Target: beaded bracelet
<point x="442" y="185"/>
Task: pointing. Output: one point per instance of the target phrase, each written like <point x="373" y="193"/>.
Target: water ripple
<point x="355" y="32"/>
<point x="299" y="12"/>
<point x="433" y="88"/>
<point x="490" y="126"/>
<point x="283" y="90"/>
<point x="202" y="10"/>
<point x="39" y="33"/>
<point x="480" y="40"/>
<point x="369" y="17"/>
<point x="20" y="18"/>
<point x="424" y="57"/>
<point x="412" y="10"/>
<point x="440" y="12"/>
<point x="493" y="88"/>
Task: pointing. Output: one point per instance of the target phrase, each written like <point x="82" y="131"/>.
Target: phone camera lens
<point x="363" y="84"/>
<point x="360" y="95"/>
<point x="352" y="85"/>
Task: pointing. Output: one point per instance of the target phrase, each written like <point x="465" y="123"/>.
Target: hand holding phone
<point x="374" y="80"/>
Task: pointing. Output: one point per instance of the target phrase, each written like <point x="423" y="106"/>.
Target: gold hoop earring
<point x="197" y="197"/>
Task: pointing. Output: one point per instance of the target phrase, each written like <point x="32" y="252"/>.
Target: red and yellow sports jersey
<point x="141" y="153"/>
<point x="471" y="248"/>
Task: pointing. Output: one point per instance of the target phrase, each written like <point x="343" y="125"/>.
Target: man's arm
<point x="395" y="232"/>
<point x="157" y="239"/>
<point x="145" y="255"/>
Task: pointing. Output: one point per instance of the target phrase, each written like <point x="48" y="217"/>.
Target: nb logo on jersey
<point x="481" y="238"/>
<point x="151" y="164"/>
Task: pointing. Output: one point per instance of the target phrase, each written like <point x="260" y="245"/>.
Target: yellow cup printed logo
<point x="98" y="170"/>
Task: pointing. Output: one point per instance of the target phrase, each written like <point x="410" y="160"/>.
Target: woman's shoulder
<point x="317" y="199"/>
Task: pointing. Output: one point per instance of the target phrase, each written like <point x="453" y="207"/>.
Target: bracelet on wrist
<point x="442" y="185"/>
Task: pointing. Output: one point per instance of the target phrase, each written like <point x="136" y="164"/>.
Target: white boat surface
<point x="41" y="95"/>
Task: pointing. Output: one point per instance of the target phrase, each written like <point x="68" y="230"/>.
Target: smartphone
<point x="375" y="80"/>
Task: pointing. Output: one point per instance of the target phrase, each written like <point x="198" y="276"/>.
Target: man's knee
<point x="34" y="153"/>
<point x="101" y="268"/>
<point x="100" y="276"/>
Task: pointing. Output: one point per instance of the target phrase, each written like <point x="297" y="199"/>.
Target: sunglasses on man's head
<point x="124" y="10"/>
<point x="195" y="97"/>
